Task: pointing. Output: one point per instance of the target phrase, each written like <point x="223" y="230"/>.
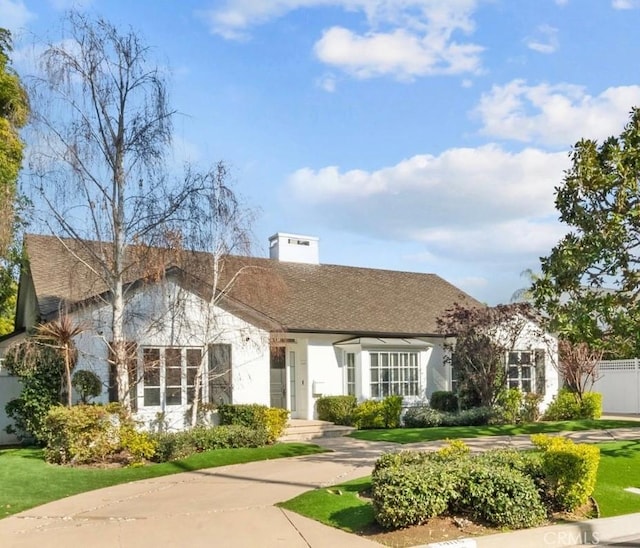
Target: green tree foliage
<point x="14" y="113"/>
<point x="590" y="283"/>
<point x="40" y="369"/>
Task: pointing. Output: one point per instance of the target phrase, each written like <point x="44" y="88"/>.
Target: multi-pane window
<point x="351" y="373"/>
<point x="394" y="373"/>
<point x="520" y="370"/>
<point x="169" y="375"/>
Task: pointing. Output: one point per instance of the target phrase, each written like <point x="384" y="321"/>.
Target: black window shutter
<point x="540" y="371"/>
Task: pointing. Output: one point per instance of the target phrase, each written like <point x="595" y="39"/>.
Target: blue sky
<point x="419" y="135"/>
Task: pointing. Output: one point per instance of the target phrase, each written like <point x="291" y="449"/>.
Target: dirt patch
<point x="435" y="530"/>
<point x="445" y="528"/>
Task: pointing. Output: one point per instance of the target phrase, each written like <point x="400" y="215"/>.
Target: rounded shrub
<point x="411" y="494"/>
<point x="500" y="496"/>
<point x="87" y="384"/>
<point x="337" y="409"/>
<point x="422" y="417"/>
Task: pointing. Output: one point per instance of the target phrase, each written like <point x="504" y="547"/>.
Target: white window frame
<point x="517" y="366"/>
<point x="394" y="372"/>
<point x="188" y="372"/>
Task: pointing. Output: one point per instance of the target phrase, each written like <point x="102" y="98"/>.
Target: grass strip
<point x="28" y="481"/>
<point x="414" y="435"/>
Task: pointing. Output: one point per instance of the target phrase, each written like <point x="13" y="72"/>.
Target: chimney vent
<point x="294" y="248"/>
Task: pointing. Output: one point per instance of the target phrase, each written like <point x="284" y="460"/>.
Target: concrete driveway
<point x="226" y="506"/>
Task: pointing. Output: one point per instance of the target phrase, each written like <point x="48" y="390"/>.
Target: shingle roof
<point x="297" y="297"/>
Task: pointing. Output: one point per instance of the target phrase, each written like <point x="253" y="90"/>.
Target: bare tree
<point x="102" y="127"/>
<point x="578" y="365"/>
<point x="480" y="339"/>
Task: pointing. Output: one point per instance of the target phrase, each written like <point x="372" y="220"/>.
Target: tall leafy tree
<point x="14" y="113"/>
<point x="590" y="282"/>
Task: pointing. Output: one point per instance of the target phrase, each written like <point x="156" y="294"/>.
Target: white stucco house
<point x="281" y="331"/>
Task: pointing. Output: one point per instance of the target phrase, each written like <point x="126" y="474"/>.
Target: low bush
<point x="569" y="470"/>
<point x="422" y="416"/>
<point x="530" y="411"/>
<point x="391" y="411"/>
<point x="510" y="404"/>
<point x="384" y="413"/>
<point x="591" y="406"/>
<point x="369" y="414"/>
<point x="337" y="409"/>
<point x="566" y="405"/>
<point x="445" y="401"/>
<point x="411" y="494"/>
<point x="499" y="487"/>
<point x="81" y="434"/>
<point x="500" y="496"/>
<point x="178" y="445"/>
<point x="256" y="416"/>
<point x="476" y="416"/>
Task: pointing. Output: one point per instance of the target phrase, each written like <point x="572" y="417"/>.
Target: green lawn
<point x="340" y="506"/>
<point x="413" y="435"/>
<point x="26" y="480"/>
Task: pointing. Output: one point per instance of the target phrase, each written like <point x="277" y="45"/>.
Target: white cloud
<point x="463" y="203"/>
<point x="404" y="38"/>
<point x="400" y="53"/>
<point x="545" y="41"/>
<point x="625" y="4"/>
<point x="15" y="14"/>
<point x="555" y="115"/>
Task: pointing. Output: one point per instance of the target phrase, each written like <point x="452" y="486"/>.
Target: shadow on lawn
<point x="627" y="449"/>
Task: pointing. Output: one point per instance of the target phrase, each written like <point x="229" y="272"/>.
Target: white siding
<point x="154" y="319"/>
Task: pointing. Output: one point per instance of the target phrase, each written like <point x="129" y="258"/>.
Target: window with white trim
<point x="351" y="373"/>
<point x="521" y="370"/>
<point x="394" y="373"/>
<point x="169" y="375"/>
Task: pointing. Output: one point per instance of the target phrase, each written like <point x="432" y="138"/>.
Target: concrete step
<point x="302" y="430"/>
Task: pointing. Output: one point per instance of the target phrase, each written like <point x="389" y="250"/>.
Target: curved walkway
<point x="231" y="506"/>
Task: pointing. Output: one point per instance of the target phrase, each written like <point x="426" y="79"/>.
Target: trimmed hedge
<point x="426" y="417"/>
<point x="501" y="496"/>
<point x="412" y="493"/>
<point x="569" y="470"/>
<point x="337" y="409"/>
<point x="256" y="416"/>
<point x="178" y="445"/>
<point x="500" y="487"/>
<point x="422" y="416"/>
<point x="567" y="406"/>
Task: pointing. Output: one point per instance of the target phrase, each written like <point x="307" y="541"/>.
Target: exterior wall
<point x="531" y="338"/>
<point x="166" y="315"/>
<point x="323" y="370"/>
<point x="10" y="388"/>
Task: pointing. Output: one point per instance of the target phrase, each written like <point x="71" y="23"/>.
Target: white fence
<point x="619" y="384"/>
<point x="9" y="389"/>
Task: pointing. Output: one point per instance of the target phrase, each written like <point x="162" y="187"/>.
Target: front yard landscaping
<point x="348" y="506"/>
<point x="28" y="481"/>
<point x="414" y="435"/>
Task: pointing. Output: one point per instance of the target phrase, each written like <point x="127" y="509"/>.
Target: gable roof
<point x="297" y="297"/>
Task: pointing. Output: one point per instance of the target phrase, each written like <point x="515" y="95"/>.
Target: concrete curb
<point x="584" y="533"/>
